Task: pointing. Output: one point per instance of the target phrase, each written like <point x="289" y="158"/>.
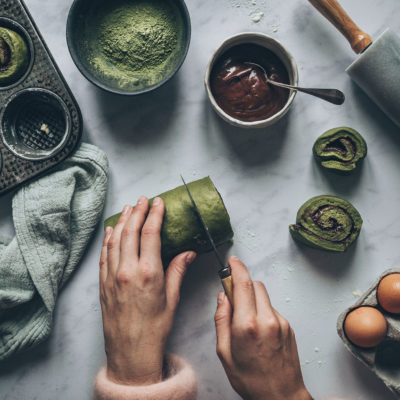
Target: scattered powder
<point x="356" y="293"/>
<point x="257" y="17"/>
<point x="248" y="3"/>
<point x="247" y="237"/>
<point x="316" y="349"/>
<point x="320" y="363"/>
<point x="254" y="6"/>
<point x="288" y="299"/>
<point x="275" y="29"/>
<point x="290" y="269"/>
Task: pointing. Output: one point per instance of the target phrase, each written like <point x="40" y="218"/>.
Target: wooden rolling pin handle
<point x="226" y="279"/>
<point x="334" y="13"/>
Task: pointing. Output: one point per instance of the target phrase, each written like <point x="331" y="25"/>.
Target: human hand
<point x="138" y="300"/>
<point x="255" y="344"/>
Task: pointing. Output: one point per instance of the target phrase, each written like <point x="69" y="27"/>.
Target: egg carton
<point x="384" y="359"/>
<point x="40" y="120"/>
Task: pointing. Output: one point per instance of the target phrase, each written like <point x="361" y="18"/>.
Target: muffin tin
<point x="384" y="359"/>
<point x="40" y="121"/>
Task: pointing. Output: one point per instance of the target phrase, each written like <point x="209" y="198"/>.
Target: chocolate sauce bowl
<point x="235" y="85"/>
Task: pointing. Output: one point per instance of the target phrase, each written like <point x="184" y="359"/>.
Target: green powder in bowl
<point x="128" y="45"/>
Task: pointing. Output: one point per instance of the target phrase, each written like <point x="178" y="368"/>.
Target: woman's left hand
<point x="138" y="299"/>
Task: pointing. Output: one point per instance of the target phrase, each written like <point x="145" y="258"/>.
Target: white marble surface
<point x="264" y="176"/>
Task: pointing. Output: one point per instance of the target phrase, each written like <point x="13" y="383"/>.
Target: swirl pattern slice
<point x="340" y="150"/>
<point x="328" y="223"/>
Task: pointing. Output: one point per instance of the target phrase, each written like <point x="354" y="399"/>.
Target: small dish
<point x="82" y="44"/>
<point x="270" y="44"/>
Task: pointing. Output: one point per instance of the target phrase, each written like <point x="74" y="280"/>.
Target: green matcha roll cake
<point x="14" y="56"/>
<point x="181" y="228"/>
<point x="340" y="150"/>
<point x="328" y="223"/>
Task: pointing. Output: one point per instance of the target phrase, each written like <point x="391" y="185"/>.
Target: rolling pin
<point x="377" y="70"/>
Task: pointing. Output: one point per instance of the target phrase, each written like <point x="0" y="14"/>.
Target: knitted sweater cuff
<point x="179" y="384"/>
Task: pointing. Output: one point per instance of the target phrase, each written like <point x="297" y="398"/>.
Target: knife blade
<point x="225" y="271"/>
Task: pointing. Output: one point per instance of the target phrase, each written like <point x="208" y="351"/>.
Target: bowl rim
<point x="241" y="38"/>
<point x="97" y="82"/>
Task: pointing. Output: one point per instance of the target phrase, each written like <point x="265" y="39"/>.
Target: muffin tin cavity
<point x="35" y="124"/>
<point x="16" y="53"/>
<point x="40" y="120"/>
<point x="384" y="359"/>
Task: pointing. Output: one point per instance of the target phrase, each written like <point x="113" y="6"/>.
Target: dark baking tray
<point x="44" y="74"/>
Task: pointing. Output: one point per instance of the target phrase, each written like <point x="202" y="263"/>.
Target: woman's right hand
<point x="255" y="344"/>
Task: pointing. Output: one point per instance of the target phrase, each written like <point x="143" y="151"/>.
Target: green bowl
<point x="86" y="20"/>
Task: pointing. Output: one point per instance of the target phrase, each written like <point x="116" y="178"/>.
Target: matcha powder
<point x="138" y="41"/>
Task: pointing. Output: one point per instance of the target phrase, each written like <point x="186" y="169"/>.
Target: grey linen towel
<point x="54" y="218"/>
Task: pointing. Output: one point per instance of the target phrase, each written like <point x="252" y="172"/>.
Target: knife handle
<point x="334" y="13"/>
<point x="226" y="279"/>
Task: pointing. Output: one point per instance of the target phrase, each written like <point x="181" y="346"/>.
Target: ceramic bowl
<point x="270" y="44"/>
<point x="79" y="19"/>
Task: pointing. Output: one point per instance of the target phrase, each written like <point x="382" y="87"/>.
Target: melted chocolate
<point x="239" y="85"/>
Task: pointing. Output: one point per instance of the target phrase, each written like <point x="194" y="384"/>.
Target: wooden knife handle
<point x="226" y="279"/>
<point x="334" y="13"/>
<point x="228" y="287"/>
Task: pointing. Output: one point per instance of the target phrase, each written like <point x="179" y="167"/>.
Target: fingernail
<point x="126" y="210"/>
<point x="190" y="257"/>
<point x="156" y="201"/>
<point x="141" y="200"/>
<point x="221" y="297"/>
<point x="108" y="232"/>
<point x="234" y="258"/>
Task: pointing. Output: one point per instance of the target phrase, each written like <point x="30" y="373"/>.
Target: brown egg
<point x="389" y="293"/>
<point x="365" y="326"/>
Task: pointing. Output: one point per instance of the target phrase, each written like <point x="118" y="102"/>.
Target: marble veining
<point x="264" y="177"/>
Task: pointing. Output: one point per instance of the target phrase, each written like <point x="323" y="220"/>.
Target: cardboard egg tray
<point x="384" y="359"/>
<point x="40" y="121"/>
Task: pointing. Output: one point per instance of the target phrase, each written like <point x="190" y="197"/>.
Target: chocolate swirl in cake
<point x="340" y="150"/>
<point x="327" y="222"/>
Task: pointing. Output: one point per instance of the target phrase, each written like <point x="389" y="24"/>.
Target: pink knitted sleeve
<point x="180" y="384"/>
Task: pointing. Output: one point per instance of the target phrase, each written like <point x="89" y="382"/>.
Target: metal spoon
<point x="334" y="96"/>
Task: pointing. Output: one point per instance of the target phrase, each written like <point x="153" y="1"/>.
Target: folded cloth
<point x="179" y="384"/>
<point x="54" y="218"/>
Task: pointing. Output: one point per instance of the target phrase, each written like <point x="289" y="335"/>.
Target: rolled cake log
<point x="14" y="56"/>
<point x="181" y="228"/>
<point x="327" y="222"/>
<point x="340" y="150"/>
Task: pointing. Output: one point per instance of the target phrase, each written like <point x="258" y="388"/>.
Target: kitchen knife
<point x="377" y="70"/>
<point x="225" y="271"/>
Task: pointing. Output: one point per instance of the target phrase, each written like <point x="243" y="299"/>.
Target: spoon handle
<point x="334" y="96"/>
